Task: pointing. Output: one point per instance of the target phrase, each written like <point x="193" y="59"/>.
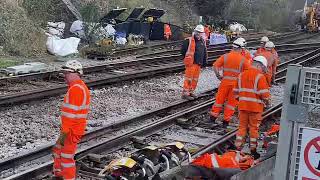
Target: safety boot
<point x="186" y="95"/>
<point x="255" y="154"/>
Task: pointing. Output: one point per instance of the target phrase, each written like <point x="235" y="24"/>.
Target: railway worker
<point x="232" y="64"/>
<point x="195" y="52"/>
<point x="252" y="91"/>
<point x="167" y="32"/>
<point x="214" y="166"/>
<point x="74" y="113"/>
<point x="263" y="42"/>
<point x="245" y="52"/>
<point x="272" y="62"/>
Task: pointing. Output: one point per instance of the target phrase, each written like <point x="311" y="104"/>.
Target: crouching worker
<point x="214" y="166"/>
<point x="74" y="113"/>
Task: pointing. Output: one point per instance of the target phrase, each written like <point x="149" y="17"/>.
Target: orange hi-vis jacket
<point x="272" y="60"/>
<point x="260" y="50"/>
<point x="189" y="58"/>
<point x="227" y="160"/>
<point x="251" y="88"/>
<point x="232" y="65"/>
<point x="75" y="108"/>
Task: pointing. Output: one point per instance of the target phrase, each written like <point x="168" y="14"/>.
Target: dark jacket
<point x="200" y="56"/>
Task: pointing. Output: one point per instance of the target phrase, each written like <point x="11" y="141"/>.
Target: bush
<point x="19" y="35"/>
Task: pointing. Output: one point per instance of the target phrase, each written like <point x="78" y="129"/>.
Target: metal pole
<point x="286" y="126"/>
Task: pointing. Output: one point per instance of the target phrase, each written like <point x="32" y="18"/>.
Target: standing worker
<point x="167" y="32"/>
<point x="232" y="64"/>
<point x="245" y="52"/>
<point x="263" y="42"/>
<point x="252" y="91"/>
<point x="195" y="52"/>
<point x="74" y="113"/>
<point x="272" y="62"/>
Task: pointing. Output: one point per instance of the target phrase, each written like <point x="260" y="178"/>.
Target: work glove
<point x="62" y="138"/>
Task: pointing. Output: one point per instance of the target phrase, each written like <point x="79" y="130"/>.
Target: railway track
<point x="158" y="126"/>
<point x="105" y="74"/>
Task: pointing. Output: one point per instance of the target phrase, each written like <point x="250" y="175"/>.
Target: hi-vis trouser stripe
<point x="214" y="161"/>
<point x="225" y="59"/>
<point x="68" y="165"/>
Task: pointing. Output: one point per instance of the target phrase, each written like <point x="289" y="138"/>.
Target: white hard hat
<point x="243" y="41"/>
<point x="262" y="60"/>
<point x="199" y="29"/>
<point x="264" y="39"/>
<point x="238" y="43"/>
<point x="73" y="66"/>
<point x="270" y="45"/>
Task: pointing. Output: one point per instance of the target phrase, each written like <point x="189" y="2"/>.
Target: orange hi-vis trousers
<point x="252" y="121"/>
<point x="225" y="93"/>
<point x="64" y="163"/>
<point x="191" y="78"/>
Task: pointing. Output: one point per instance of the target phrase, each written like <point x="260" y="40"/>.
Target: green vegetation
<point x="7" y="62"/>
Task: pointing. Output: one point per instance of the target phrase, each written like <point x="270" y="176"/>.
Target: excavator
<point x="311" y="17"/>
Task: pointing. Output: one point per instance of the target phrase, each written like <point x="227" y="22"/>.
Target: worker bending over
<point x="231" y="64"/>
<point x="195" y="52"/>
<point x="74" y="113"/>
<point x="272" y="62"/>
<point x="245" y="52"/>
<point x="252" y="91"/>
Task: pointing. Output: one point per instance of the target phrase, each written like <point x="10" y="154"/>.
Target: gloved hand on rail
<point x="62" y="138"/>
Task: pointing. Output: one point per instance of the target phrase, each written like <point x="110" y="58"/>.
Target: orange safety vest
<point x="260" y="50"/>
<point x="232" y="65"/>
<point x="251" y="88"/>
<point x="270" y="58"/>
<point x="167" y="30"/>
<point x="75" y="108"/>
<point x="189" y="58"/>
<point x="227" y="160"/>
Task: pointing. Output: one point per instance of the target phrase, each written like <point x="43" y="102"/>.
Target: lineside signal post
<point x="298" y="152"/>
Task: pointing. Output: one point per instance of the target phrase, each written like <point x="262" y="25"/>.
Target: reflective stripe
<point x="218" y="105"/>
<point x="74" y="107"/>
<point x="250" y="99"/>
<point x="188" y="79"/>
<point x="231" y="107"/>
<point x="67" y="156"/>
<point x="241" y="65"/>
<point x="230" y="77"/>
<point x="214" y="161"/>
<point x="253" y="139"/>
<point x="74" y="116"/>
<point x="256" y="81"/>
<point x="70" y="179"/>
<point x="68" y="165"/>
<point x="239" y="138"/>
<point x="263" y="91"/>
<point x="231" y="70"/>
<point x="236" y="90"/>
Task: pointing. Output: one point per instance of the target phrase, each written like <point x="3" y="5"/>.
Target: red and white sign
<point x="309" y="164"/>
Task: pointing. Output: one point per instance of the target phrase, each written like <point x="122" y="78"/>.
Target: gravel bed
<point x="30" y="125"/>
